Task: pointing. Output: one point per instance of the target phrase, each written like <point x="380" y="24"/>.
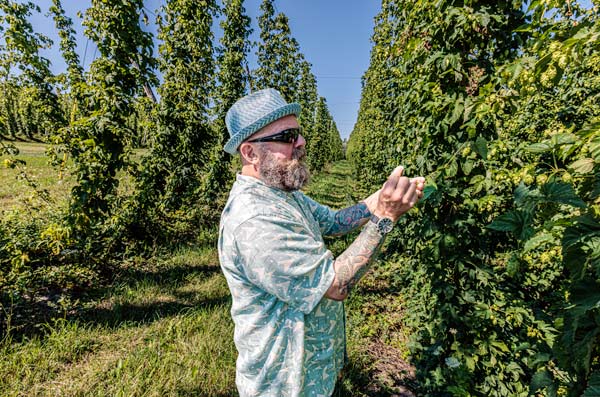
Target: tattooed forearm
<point x="353" y="263"/>
<point x="350" y="218"/>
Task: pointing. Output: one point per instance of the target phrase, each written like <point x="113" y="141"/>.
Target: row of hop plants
<point x="498" y="106"/>
<point x="51" y="252"/>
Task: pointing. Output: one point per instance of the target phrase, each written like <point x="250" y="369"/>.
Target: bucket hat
<point x="252" y="112"/>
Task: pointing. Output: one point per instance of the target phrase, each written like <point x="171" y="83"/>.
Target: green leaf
<point x="542" y="63"/>
<point x="540" y="381"/>
<point x="452" y="169"/>
<point x="594" y="149"/>
<point x="458" y="111"/>
<point x="559" y="140"/>
<point x="582" y="166"/>
<point x="526" y="27"/>
<point x="428" y="191"/>
<point x="500" y="346"/>
<point x="581" y="337"/>
<point x="593" y="385"/>
<point x="517" y="222"/>
<point x="467" y="167"/>
<point x="590" y="129"/>
<point x="585" y="295"/>
<point x="481" y="147"/>
<point x="538" y="240"/>
<point x="538" y="147"/>
<point x="584" y="227"/>
<point x="561" y="193"/>
<point x="525" y="197"/>
<point x="580" y="246"/>
<point x="476" y="179"/>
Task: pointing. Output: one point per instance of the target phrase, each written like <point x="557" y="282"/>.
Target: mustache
<point x="288" y="175"/>
<point x="299" y="154"/>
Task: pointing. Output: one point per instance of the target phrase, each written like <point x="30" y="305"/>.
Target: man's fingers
<point x="409" y="196"/>
<point x="390" y="185"/>
<point x="396" y="174"/>
<point x="398" y="171"/>
<point x="388" y="188"/>
<point x="401" y="188"/>
<point x="419" y="180"/>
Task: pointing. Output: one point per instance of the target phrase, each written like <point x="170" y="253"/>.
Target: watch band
<point x="384" y="225"/>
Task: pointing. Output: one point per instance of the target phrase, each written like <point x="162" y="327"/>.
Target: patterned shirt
<point x="290" y="338"/>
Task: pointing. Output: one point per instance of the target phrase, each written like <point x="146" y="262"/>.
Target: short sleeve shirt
<point x="290" y="338"/>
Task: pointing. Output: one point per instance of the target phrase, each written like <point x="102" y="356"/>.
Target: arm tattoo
<point x="353" y="263"/>
<point x="350" y="218"/>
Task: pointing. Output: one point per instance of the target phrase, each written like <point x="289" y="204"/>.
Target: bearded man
<point x="287" y="288"/>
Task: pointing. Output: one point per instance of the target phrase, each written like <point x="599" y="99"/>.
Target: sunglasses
<point x="286" y="136"/>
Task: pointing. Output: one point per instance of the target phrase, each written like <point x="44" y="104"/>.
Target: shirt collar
<point x="247" y="181"/>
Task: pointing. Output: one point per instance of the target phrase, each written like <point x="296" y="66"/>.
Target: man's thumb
<point x="398" y="171"/>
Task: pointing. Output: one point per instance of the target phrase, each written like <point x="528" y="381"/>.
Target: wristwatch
<point x="384" y="225"/>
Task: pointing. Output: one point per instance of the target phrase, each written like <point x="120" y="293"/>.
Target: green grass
<point x="164" y="328"/>
<point x="16" y="193"/>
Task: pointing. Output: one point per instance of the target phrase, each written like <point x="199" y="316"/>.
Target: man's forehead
<point x="276" y="126"/>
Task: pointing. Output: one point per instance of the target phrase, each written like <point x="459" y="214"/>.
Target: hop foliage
<point x="173" y="183"/>
<point x="282" y="66"/>
<point x="479" y="98"/>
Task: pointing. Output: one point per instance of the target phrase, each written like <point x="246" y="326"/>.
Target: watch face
<point x="385" y="225"/>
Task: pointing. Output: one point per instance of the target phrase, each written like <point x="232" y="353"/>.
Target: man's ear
<point x="248" y="153"/>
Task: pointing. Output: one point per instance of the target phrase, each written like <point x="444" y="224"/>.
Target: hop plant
<point x="547" y="78"/>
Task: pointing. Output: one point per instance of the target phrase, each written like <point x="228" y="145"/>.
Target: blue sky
<point x="334" y="36"/>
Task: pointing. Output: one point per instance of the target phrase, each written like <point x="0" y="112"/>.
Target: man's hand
<point x="398" y="195"/>
<point x="372" y="200"/>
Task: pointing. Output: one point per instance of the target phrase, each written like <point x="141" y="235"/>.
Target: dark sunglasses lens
<point x="287" y="136"/>
<point x="291" y="135"/>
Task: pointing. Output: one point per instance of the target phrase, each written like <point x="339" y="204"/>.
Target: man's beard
<point x="288" y="175"/>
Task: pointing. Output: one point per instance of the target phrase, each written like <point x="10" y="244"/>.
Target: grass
<point x="164" y="328"/>
<point x="162" y="331"/>
<point x="16" y="193"/>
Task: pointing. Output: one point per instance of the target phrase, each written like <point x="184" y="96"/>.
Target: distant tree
<point x="266" y="54"/>
<point x="336" y="143"/>
<point x="99" y="138"/>
<point x="174" y="181"/>
<point x="282" y="66"/>
<point x="373" y="104"/>
<point x="68" y="45"/>
<point x="307" y="96"/>
<point x="74" y="78"/>
<point x="278" y="53"/>
<point x="30" y="107"/>
<point x="318" y="144"/>
<point x="232" y="83"/>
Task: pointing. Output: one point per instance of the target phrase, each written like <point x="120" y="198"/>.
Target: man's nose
<point x="300" y="142"/>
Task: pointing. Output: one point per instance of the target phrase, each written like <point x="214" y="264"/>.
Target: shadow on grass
<point x="167" y="276"/>
<point x="360" y="379"/>
<point x="164" y="297"/>
<point x="339" y="176"/>
<point x="137" y="314"/>
<point x="109" y="304"/>
<point x="197" y="392"/>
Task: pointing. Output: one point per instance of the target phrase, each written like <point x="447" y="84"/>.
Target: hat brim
<point x="235" y="141"/>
